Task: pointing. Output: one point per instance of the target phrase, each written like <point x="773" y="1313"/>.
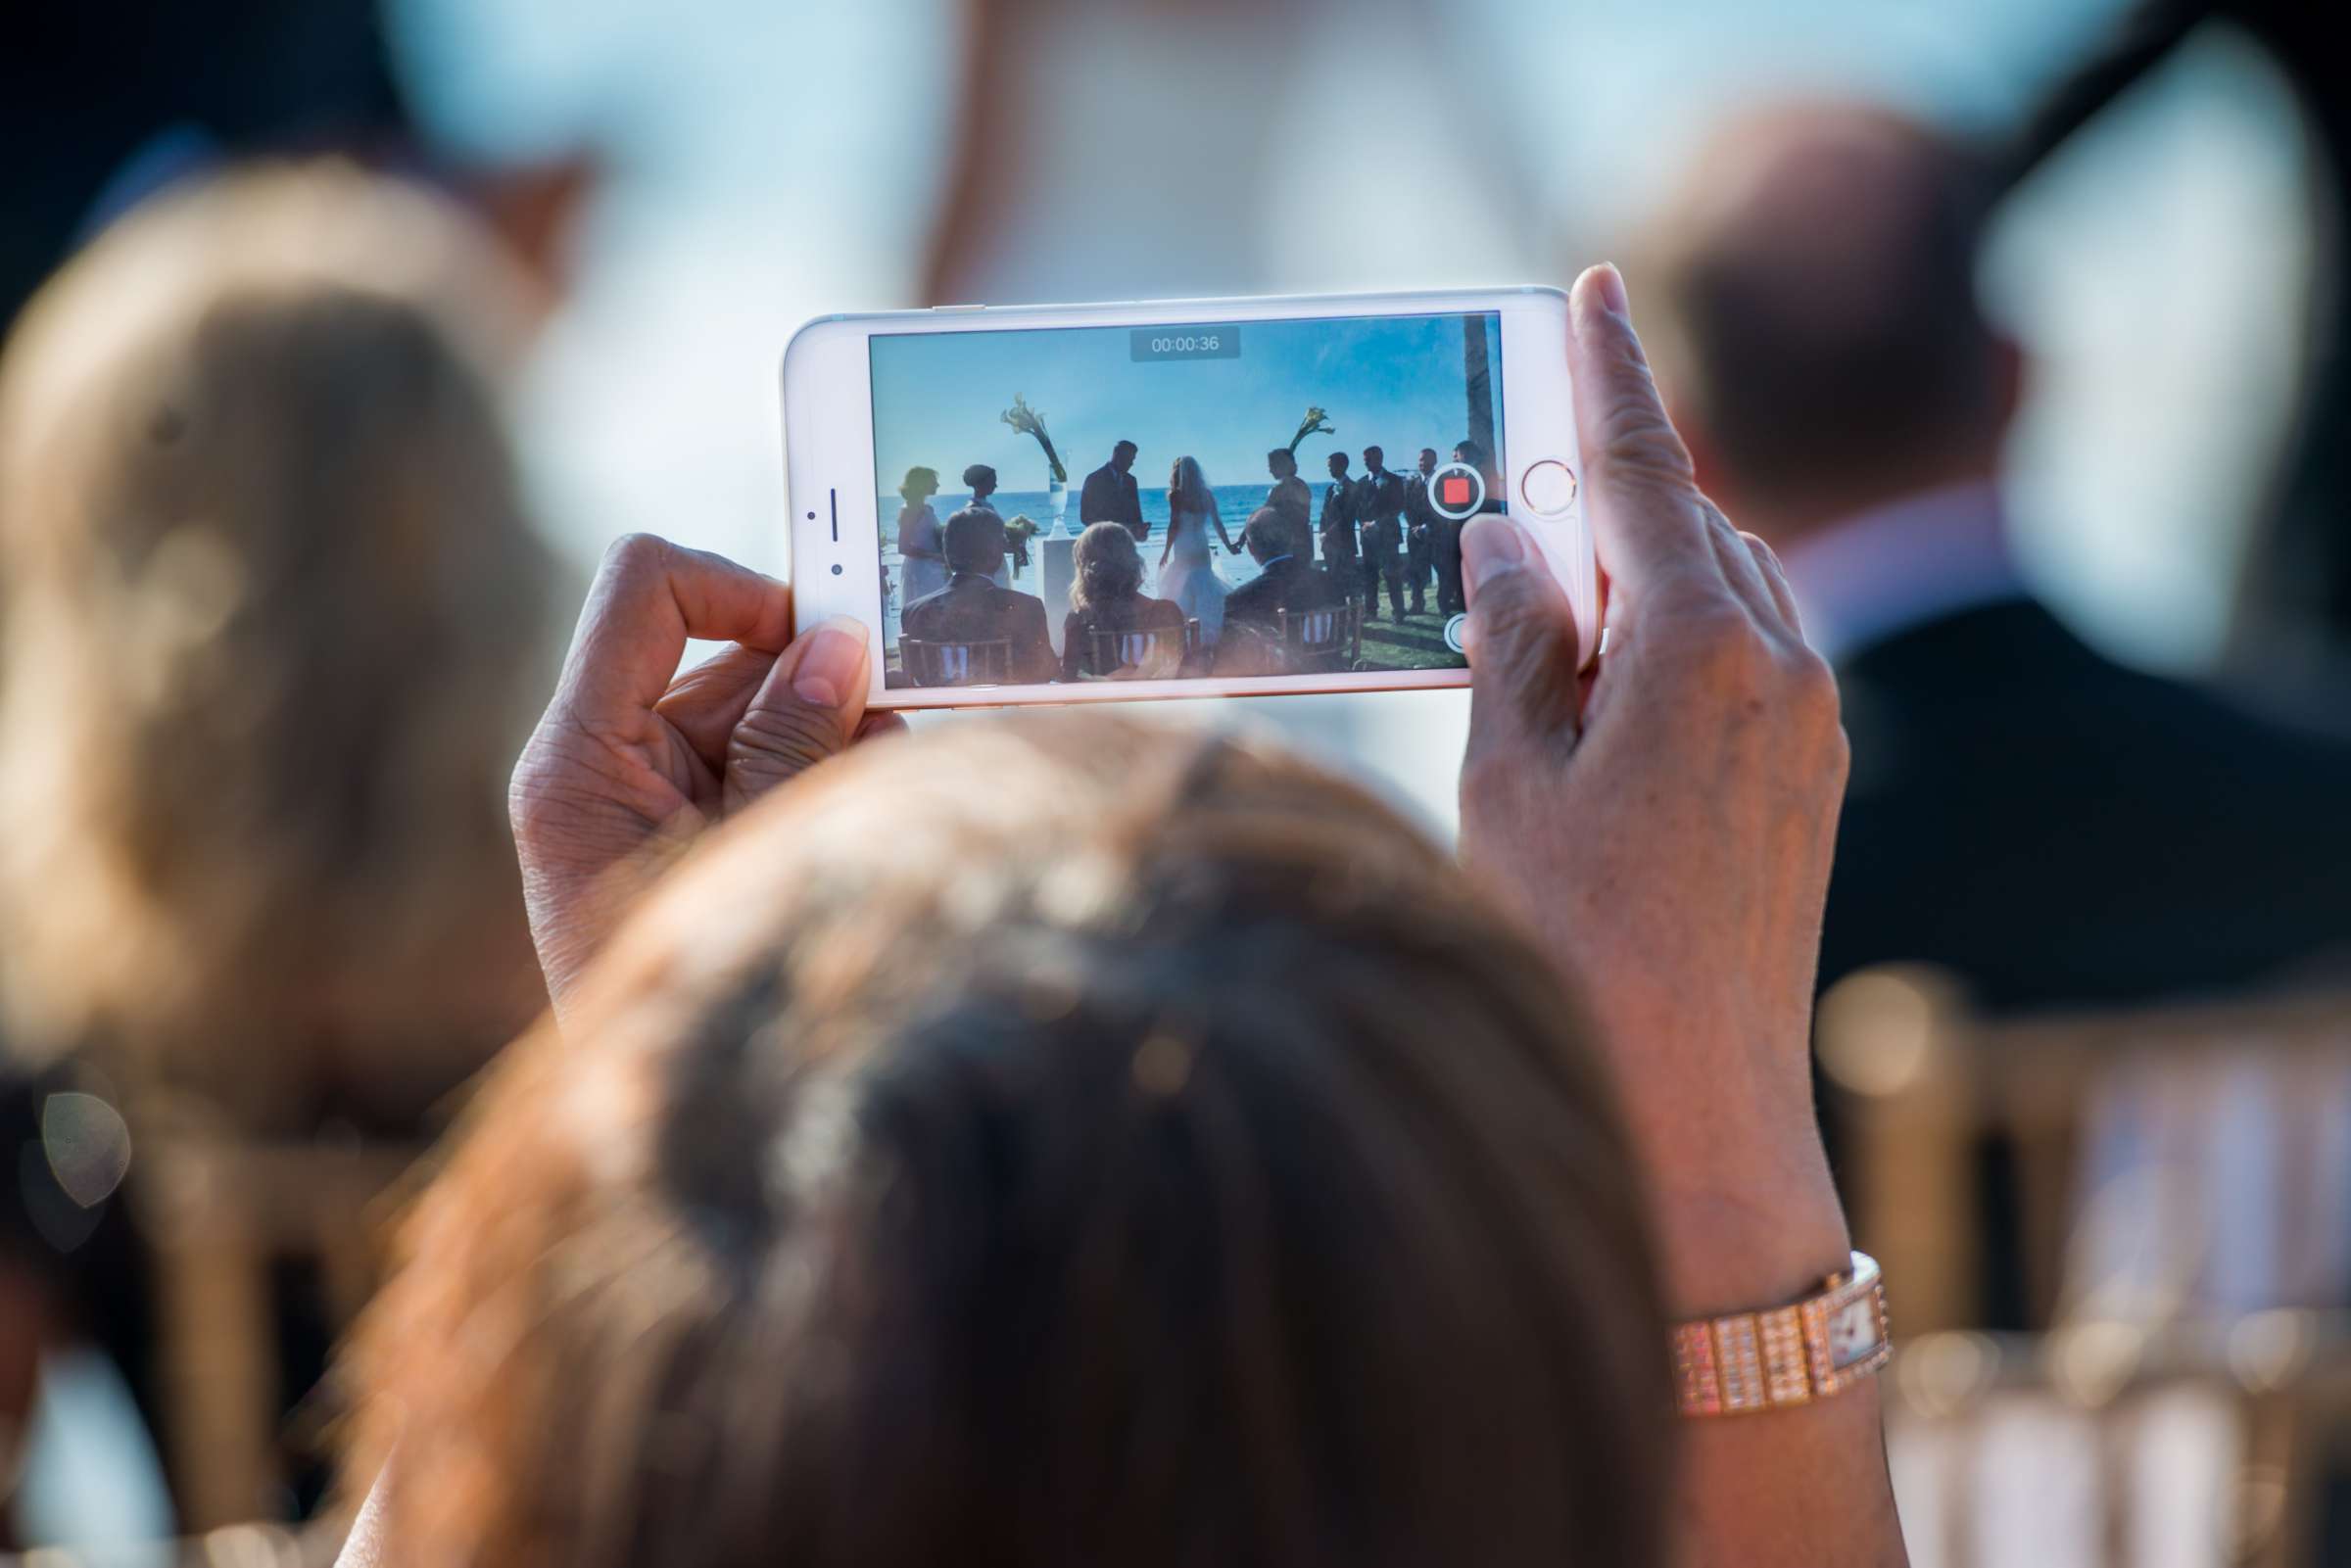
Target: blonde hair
<point x="271" y="613"/>
<point x="1105" y="567"/>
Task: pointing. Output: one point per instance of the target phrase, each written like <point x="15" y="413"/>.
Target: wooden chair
<point x="2168" y="1162"/>
<point x="220" y="1216"/>
<point x="1328" y="638"/>
<point x="986" y="663"/>
<point x="2110" y="1445"/>
<point x="1154" y="654"/>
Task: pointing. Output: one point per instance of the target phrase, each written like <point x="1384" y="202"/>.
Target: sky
<point x="1391" y="381"/>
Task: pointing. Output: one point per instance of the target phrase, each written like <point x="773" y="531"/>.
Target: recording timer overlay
<point x="1147" y="344"/>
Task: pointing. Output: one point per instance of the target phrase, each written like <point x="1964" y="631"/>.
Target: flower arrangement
<point x="1029" y="422"/>
<point x="1315" y="423"/>
<point x="1017" y="532"/>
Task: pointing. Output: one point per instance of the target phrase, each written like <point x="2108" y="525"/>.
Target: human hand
<point x="632" y="759"/>
<point x="1667" y="826"/>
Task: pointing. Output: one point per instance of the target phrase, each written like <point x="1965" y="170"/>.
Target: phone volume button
<point x="955" y="310"/>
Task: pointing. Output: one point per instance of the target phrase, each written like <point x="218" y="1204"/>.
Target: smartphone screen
<point x="1204" y="500"/>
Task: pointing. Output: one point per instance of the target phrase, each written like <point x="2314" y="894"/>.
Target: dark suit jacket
<point x="1380" y="505"/>
<point x="1110" y="497"/>
<point x="1338" y="520"/>
<point x="972" y="609"/>
<point x="2061" y="830"/>
<point x="1251" y="643"/>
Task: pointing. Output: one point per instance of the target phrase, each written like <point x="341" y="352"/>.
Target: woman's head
<point x="1035" y="1142"/>
<point x="981" y="479"/>
<point x="920" y="485"/>
<point x="1186" y="482"/>
<point x="270" y="637"/>
<point x="1107" y="565"/>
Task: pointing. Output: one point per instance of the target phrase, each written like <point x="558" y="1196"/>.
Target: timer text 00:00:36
<point x="1222" y="342"/>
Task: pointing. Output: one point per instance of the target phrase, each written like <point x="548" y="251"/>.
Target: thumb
<point x="808" y="708"/>
<point x="1521" y="637"/>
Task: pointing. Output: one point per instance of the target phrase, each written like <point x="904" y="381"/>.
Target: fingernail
<point x="1490" y="547"/>
<point x="833" y="661"/>
<point x="1601" y="287"/>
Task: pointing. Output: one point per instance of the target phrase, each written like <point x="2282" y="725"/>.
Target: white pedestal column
<point x="1056" y="571"/>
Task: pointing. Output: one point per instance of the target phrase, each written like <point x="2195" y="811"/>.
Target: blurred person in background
<point x="1223" y="1175"/>
<point x="269" y="619"/>
<point x="126" y="97"/>
<point x="2052" y="826"/>
<point x="2291" y="634"/>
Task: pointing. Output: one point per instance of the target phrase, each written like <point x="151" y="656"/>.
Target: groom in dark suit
<point x="1110" y="495"/>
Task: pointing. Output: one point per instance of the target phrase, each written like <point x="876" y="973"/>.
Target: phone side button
<point x="955" y="310"/>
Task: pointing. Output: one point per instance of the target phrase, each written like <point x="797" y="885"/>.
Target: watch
<point x="1785" y="1356"/>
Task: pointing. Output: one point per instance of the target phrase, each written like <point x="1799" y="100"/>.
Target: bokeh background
<point x="759" y="165"/>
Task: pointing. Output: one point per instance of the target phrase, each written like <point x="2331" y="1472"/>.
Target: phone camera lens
<point x="812" y="517"/>
<point x="836" y="570"/>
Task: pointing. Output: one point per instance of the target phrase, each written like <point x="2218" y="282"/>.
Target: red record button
<point x="1457" y="491"/>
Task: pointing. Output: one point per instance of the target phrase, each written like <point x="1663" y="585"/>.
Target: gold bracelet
<point x="1785" y="1355"/>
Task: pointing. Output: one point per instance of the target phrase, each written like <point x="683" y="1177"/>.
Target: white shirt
<point x="1880" y="573"/>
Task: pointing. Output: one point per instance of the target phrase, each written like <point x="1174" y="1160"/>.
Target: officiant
<point x="1110" y="495"/>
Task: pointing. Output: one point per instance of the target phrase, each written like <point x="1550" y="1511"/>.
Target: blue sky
<point x="1391" y="381"/>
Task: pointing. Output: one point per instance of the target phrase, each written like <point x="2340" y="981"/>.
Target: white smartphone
<point x="1175" y="499"/>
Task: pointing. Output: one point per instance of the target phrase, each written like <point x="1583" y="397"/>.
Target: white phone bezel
<point x="834" y="516"/>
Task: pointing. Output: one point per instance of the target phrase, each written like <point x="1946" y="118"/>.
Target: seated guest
<point x="1107" y="596"/>
<point x="1076" y="1141"/>
<point x="1254" y="641"/>
<point x="973" y="608"/>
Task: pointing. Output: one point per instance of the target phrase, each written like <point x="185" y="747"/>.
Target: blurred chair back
<point x="1154" y="654"/>
<point x="2107" y="1446"/>
<point x="1328" y="636"/>
<point x="2164" y="1163"/>
<point x="224" y="1216"/>
<point x="957" y="663"/>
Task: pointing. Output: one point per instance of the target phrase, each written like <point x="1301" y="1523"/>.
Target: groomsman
<point x="1338" y="531"/>
<point x="1110" y="495"/>
<point x="1423" y="526"/>
<point x="1379" y="514"/>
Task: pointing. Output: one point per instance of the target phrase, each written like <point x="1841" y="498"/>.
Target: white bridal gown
<point x="1189" y="579"/>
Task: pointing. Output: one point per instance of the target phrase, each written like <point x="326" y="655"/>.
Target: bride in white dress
<point x="1186" y="574"/>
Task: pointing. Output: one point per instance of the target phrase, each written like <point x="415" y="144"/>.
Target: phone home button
<point x="1549" y="487"/>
